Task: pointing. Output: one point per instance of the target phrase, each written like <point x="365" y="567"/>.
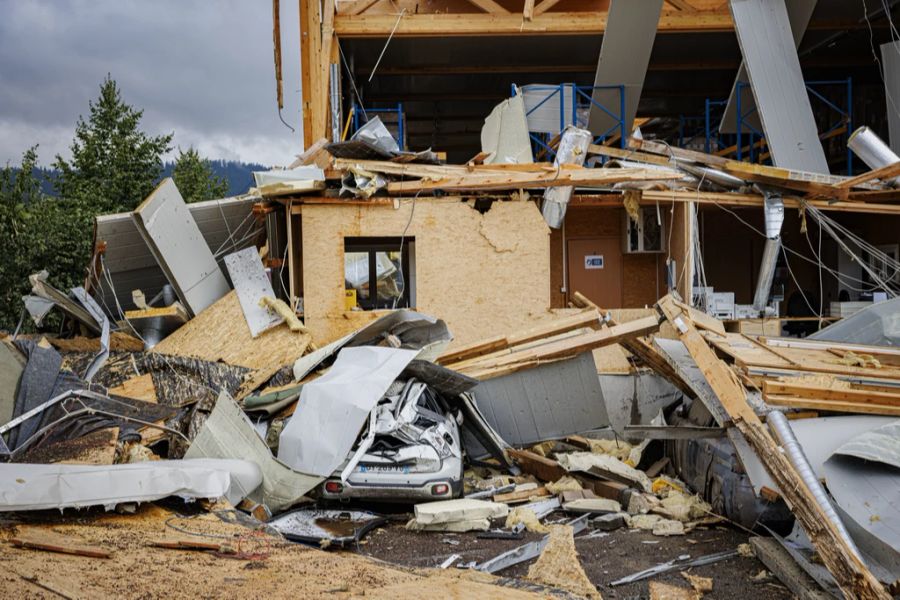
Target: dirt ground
<point x="265" y="567"/>
<point x="390" y="563"/>
<point x="604" y="559"/>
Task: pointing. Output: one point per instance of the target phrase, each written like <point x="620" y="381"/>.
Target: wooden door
<point x="595" y="270"/>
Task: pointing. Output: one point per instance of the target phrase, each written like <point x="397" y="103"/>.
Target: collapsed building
<point x="568" y="326"/>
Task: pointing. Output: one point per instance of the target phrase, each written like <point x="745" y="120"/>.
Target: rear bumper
<point x="392" y="491"/>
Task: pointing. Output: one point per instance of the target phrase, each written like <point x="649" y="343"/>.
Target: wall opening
<point x="379" y="272"/>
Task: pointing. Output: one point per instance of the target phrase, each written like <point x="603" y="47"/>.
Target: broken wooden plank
<point x="814" y="392"/>
<point x="634" y="155"/>
<point x="50" y="541"/>
<point x="780" y="562"/>
<point x="886" y="172"/>
<point x="140" y="388"/>
<point x="845" y="566"/>
<point x="213" y="336"/>
<point x="664" y="149"/>
<point x="545" y="469"/>
<point x="515" y="180"/>
<point x="563" y="348"/>
<point x="491" y="345"/>
<point x="522" y="496"/>
<point x="834" y="406"/>
<point x="817" y="184"/>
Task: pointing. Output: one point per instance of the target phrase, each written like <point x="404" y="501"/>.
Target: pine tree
<point x="195" y="179"/>
<point x="19" y="189"/>
<point x="114" y="164"/>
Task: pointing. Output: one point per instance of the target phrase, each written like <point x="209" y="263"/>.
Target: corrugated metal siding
<point x="546" y="402"/>
<point x="131" y="265"/>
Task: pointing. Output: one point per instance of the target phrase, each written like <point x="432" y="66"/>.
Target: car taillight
<point x="439" y="489"/>
<point x="334" y="487"/>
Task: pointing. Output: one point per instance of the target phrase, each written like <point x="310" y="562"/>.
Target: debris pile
<point x="219" y="392"/>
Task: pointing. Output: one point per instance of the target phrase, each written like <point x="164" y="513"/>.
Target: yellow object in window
<point x="349" y="299"/>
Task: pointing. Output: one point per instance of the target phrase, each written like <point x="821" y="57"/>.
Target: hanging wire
<point x="386" y="43"/>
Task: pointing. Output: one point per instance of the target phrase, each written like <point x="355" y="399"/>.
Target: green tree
<point x="19" y="189"/>
<point x="114" y="164"/>
<point x="194" y="177"/>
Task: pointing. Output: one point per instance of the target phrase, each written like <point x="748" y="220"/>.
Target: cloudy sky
<point x="200" y="68"/>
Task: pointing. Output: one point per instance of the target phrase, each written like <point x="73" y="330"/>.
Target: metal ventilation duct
<point x="773" y="212"/>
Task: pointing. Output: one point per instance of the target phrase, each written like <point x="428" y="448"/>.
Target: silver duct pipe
<point x="774" y="217"/>
<point x="781" y="427"/>
<point x="572" y="150"/>
<point x="866" y="144"/>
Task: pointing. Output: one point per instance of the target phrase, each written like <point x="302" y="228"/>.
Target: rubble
<point x="247" y="397"/>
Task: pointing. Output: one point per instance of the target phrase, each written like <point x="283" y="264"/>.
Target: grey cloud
<point x="200" y="68"/>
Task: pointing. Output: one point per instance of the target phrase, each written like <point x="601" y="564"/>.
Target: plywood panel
<point x="220" y="333"/>
<point x="483" y="274"/>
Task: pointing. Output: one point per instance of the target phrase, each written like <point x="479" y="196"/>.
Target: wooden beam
<point x="682" y="5"/>
<point x="587" y="318"/>
<point x="544" y="23"/>
<point x="545" y="5"/>
<point x="616" y="152"/>
<point x="755" y="200"/>
<point x="489" y="6"/>
<point x="490" y="180"/>
<point x="834" y="406"/>
<point x="354" y="7"/>
<point x="528" y="10"/>
<point x="886" y="172"/>
<point x="828" y="395"/>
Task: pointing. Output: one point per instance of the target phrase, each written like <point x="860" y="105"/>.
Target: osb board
<point x="558" y="565"/>
<point x="139" y="388"/>
<point x="220" y="333"/>
<point x="483" y="274"/>
<point x="273" y="568"/>
<point x="95" y="448"/>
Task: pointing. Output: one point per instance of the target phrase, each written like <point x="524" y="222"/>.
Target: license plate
<point x="383" y="469"/>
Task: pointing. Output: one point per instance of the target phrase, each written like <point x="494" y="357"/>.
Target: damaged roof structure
<point x="547" y="341"/>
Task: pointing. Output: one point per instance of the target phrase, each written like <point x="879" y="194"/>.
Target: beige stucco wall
<point x="484" y="275"/>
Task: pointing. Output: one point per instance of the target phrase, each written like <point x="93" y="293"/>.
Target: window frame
<point x="372" y="246"/>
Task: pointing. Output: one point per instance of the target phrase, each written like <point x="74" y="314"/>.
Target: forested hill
<point x="239" y="175"/>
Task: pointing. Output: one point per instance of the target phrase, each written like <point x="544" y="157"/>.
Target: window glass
<point x="356" y="273"/>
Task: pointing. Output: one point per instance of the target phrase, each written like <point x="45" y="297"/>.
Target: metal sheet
<point x="251" y="283"/>
<point x="770" y="54"/>
<point x="550" y="401"/>
<point x="624" y="56"/>
<point x="868" y="499"/>
<point x="173" y="237"/>
<point x="799" y="14"/>
<point x="680" y="359"/>
<point x="819" y="438"/>
<point x="333" y="409"/>
<point x="228" y="433"/>
<point x="339" y="528"/>
<point x="26" y="486"/>
<point x="635" y="398"/>
<point x="226" y="225"/>
<point x="890" y="61"/>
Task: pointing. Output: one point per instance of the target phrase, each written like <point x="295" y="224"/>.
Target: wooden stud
<point x="543" y="6"/>
<point x="489" y="6"/>
<point x="528" y="10"/>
